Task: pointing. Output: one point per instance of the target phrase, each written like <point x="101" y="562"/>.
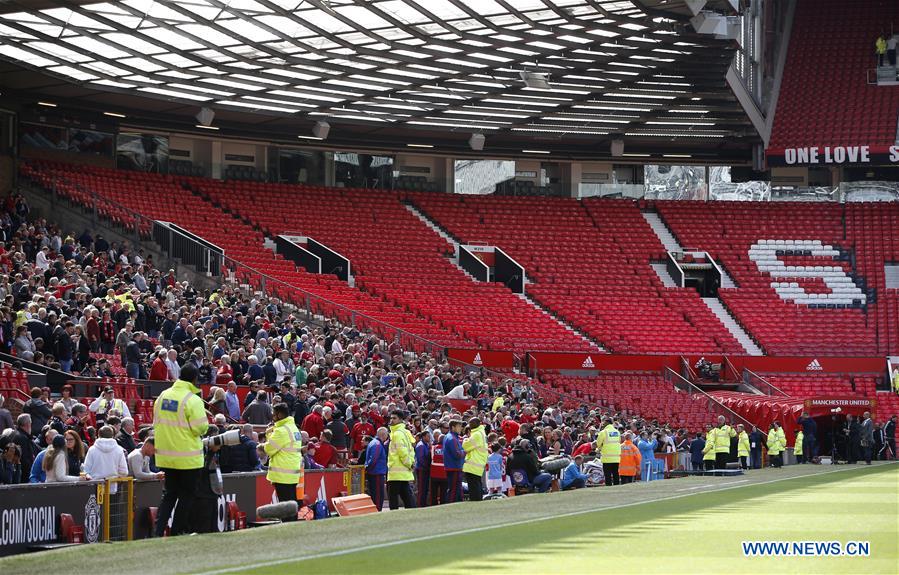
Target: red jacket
<point x="314" y="424"/>
<point x="159" y="371"/>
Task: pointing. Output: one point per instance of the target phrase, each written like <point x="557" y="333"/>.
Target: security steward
<point x="400" y="461"/>
<point x="475" y="446"/>
<point x="743" y="446"/>
<point x="721" y="436"/>
<point x="179" y="423"/>
<point x="608" y="443"/>
<point x="282" y="445"/>
<point x="708" y="452"/>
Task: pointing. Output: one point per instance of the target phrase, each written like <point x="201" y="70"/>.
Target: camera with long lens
<point x="228" y="438"/>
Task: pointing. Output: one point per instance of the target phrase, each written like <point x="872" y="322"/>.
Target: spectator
<point x="139" y="461"/>
<point x="232" y="402"/>
<point x="326" y="454"/>
<point x="159" y="371"/>
<point x="314" y="423"/>
<point x="37" y="474"/>
<point x="67" y="401"/>
<point x="75" y="450"/>
<point x="56" y="462"/>
<point x="6" y="421"/>
<point x="125" y="438"/>
<point x="259" y="412"/>
<point x="10" y="464"/>
<point x="105" y="457"/>
<point x="38" y="409"/>
<point x="79" y="422"/>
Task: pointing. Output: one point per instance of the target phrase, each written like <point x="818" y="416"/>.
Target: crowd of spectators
<point x="87" y="306"/>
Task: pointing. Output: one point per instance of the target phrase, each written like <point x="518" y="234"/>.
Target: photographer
<point x="283" y="445"/>
<point x="209" y="486"/>
<point x="179" y="423"/>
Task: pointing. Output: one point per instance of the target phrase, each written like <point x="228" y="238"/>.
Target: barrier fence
<point x="31" y="515"/>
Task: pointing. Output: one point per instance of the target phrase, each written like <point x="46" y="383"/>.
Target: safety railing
<point x="229" y="270"/>
<point x="762" y="384"/>
<point x="116" y="497"/>
<point x="710" y="402"/>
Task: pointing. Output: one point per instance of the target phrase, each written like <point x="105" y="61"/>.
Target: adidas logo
<point x="477" y="359"/>
<point x="815" y="365"/>
<point x="588" y="363"/>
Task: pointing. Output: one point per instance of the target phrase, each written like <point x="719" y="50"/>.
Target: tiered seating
<point x="637" y="392"/>
<point x="13" y="379"/>
<point x="825" y="99"/>
<point x="728" y="231"/>
<point x="159" y="197"/>
<point x="590" y="264"/>
<point x="394" y="256"/>
<point x="811" y="385"/>
<point x="871" y="230"/>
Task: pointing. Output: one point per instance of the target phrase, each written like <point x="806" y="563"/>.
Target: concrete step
<point x="662" y="272"/>
<point x="561" y="322"/>
<point x="662" y="231"/>
<point x="732" y="326"/>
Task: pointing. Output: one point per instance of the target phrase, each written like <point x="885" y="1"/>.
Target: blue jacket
<point x="38" y="475"/>
<point x="240" y="457"/>
<point x="453" y="454"/>
<point x="422" y="456"/>
<point x="696" y="447"/>
<point x="376" y="458"/>
<point x="647" y="450"/>
<point x="570" y="474"/>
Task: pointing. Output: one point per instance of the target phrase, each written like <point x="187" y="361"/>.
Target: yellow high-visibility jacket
<point x="179" y="423"/>
<point x="400" y="454"/>
<point x="608" y="443"/>
<point x="475" y="446"/>
<point x="284" y="450"/>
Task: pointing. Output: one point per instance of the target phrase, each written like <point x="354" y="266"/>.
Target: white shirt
<point x="457" y="392"/>
<point x="336" y="347"/>
<point x="42" y="262"/>
<point x="139" y="465"/>
<point x="174" y="369"/>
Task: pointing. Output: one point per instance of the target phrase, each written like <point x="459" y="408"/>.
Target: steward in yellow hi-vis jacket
<point x="475" y="447"/>
<point x="400" y="462"/>
<point x="285" y="464"/>
<point x="721" y="436"/>
<point x="743" y="446"/>
<point x="608" y="443"/>
<point x="179" y="423"/>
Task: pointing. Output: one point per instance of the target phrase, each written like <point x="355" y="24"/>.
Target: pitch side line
<point x="431" y="537"/>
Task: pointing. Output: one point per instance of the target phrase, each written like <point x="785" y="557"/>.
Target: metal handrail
<point x="266" y="280"/>
<point x="713" y="403"/>
<point x="770" y="385"/>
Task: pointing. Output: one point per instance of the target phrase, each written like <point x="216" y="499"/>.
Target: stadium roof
<point x="389" y="71"/>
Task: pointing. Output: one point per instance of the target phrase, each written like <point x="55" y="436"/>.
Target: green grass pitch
<point x="691" y="525"/>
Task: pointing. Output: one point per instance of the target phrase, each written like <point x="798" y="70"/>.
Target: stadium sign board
<point x="832" y="155"/>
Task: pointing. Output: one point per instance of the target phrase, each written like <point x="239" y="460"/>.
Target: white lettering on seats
<point x="843" y="289"/>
